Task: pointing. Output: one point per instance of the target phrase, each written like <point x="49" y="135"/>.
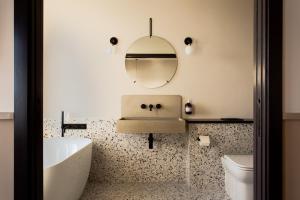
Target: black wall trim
<point x="218" y="121"/>
<point x="268" y="100"/>
<point x="28" y="103"/>
<point x="136" y="55"/>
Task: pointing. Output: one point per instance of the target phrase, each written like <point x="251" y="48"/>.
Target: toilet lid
<point x="242" y="161"/>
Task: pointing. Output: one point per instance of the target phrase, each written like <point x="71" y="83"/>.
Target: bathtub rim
<point x="90" y="142"/>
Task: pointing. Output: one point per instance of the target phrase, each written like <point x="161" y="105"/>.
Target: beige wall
<point x="6" y="99"/>
<point x="85" y="81"/>
<point x="6" y="159"/>
<point x="291" y="83"/>
<point x="6" y="56"/>
<point x="291" y="56"/>
<point x="291" y="159"/>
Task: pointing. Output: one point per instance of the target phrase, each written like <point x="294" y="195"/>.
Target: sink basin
<point x="151" y="125"/>
<point x="136" y="118"/>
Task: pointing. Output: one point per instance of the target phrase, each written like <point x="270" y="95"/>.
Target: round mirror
<point x="151" y="61"/>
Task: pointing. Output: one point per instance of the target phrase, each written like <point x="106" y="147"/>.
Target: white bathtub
<point x="67" y="162"/>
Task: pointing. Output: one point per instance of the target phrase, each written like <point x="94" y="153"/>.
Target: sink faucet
<point x="151" y="107"/>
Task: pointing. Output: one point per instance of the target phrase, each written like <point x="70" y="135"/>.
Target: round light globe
<point x="188" y="49"/>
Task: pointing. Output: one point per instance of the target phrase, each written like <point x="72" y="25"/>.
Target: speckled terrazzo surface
<point x="206" y="169"/>
<point x="127" y="157"/>
<point x="177" y="168"/>
<point x="149" y="191"/>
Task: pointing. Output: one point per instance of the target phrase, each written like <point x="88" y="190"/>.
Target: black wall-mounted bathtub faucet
<point x="69" y="126"/>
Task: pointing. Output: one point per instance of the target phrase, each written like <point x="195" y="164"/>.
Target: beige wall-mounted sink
<point x="151" y="125"/>
<point x="166" y="119"/>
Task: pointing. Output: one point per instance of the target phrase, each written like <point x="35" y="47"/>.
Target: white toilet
<point x="238" y="176"/>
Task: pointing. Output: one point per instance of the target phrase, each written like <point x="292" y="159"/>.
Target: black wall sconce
<point x="188" y="41"/>
<point x="113" y="41"/>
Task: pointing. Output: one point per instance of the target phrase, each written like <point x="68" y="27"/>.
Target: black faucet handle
<point x="158" y="106"/>
<point x="143" y="106"/>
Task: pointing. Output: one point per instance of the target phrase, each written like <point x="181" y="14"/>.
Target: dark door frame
<point x="28" y="105"/>
<point x="268" y="100"/>
<point x="28" y="99"/>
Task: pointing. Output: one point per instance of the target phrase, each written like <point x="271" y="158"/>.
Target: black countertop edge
<point x="220" y="121"/>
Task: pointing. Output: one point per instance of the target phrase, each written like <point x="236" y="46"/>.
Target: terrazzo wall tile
<point x="206" y="171"/>
<point x="127" y="157"/>
<point x="176" y="158"/>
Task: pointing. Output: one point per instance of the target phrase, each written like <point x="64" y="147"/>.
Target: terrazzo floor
<point x="149" y="191"/>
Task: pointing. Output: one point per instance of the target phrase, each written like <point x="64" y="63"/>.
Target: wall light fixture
<point x="113" y="41"/>
<point x="188" y="41"/>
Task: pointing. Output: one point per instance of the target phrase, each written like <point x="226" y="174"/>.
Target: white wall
<point x="6" y="56"/>
<point x="82" y="79"/>
<point x="291" y="56"/>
